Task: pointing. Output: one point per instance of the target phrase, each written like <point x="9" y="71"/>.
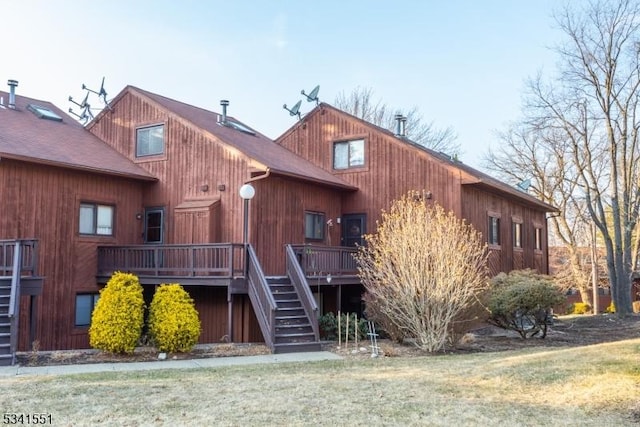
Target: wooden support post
<point x="230" y="316"/>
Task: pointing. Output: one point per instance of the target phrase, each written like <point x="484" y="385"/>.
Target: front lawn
<point x="590" y="385"/>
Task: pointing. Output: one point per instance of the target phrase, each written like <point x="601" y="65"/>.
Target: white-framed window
<point x="493" y="234"/>
<point x="150" y="141"/>
<point x="85" y="303"/>
<point x="538" y="239"/>
<point x="96" y="219"/>
<point x="517" y="234"/>
<point x="348" y="154"/>
<point x="314" y="225"/>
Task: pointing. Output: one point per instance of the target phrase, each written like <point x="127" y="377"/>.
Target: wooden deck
<point x="217" y="264"/>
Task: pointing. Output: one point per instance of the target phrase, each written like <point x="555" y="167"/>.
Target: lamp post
<point x="246" y="193"/>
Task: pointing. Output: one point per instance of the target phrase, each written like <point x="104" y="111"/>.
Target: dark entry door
<point x="154" y="225"/>
<point x="353" y="229"/>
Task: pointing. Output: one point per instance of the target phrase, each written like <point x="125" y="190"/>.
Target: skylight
<point x="238" y="126"/>
<point x="44" y="113"/>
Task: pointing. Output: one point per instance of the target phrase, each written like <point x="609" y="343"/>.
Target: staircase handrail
<point x="14" y="297"/>
<point x="260" y="295"/>
<point x="300" y="284"/>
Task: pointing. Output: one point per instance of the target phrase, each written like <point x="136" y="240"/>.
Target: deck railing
<point x="29" y="252"/>
<point x="264" y="304"/>
<point x="299" y="282"/>
<point x="318" y="260"/>
<point x="223" y="260"/>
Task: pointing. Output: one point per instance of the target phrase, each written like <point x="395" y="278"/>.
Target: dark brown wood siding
<point x="392" y="167"/>
<point x="476" y="207"/>
<point x="43" y="202"/>
<point x="194" y="166"/>
<point x="277" y="218"/>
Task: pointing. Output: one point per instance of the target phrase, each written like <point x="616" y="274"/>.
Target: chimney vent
<point x="12" y="93"/>
<point x="398" y="118"/>
<point x="403" y="127"/>
<point x="224" y="104"/>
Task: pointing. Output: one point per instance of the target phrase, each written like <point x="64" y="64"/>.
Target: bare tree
<point x="536" y="155"/>
<point x="423" y="270"/>
<point x="590" y="109"/>
<point x="361" y="103"/>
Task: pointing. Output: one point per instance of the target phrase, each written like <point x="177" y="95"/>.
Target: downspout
<point x="229" y="294"/>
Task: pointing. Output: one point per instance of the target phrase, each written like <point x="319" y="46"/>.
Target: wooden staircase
<point x="293" y="329"/>
<point x="6" y="326"/>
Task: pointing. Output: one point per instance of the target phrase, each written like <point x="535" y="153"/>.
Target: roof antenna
<point x="313" y="96"/>
<point x="85" y="113"/>
<point x="295" y="110"/>
<point x="101" y="93"/>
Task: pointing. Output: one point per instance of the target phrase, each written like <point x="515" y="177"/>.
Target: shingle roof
<point x="474" y="176"/>
<point x="258" y="147"/>
<point x="25" y="136"/>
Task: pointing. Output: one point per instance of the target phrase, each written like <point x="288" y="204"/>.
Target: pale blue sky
<point x="462" y="63"/>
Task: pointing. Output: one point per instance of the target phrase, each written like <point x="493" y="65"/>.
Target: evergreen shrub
<point x="522" y="301"/>
<point x="174" y="324"/>
<point x="118" y="318"/>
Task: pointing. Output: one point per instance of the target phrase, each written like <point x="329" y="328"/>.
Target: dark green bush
<point x="174" y="324"/>
<point x="522" y="301"/>
<point x="117" y="320"/>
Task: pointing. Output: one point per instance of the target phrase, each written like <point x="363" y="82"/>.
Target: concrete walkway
<point x="212" y="362"/>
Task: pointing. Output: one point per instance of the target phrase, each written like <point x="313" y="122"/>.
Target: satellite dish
<point x="524" y="185"/>
<point x="295" y="110"/>
<point x="313" y="95"/>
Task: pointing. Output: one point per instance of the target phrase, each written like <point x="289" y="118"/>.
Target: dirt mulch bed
<point x="567" y="331"/>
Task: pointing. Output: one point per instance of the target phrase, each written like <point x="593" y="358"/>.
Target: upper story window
<point x="150" y="141"/>
<point x="538" y="239"/>
<point x="493" y="233"/>
<point x="314" y="225"/>
<point x="96" y="219"/>
<point x="348" y="154"/>
<point x="517" y="234"/>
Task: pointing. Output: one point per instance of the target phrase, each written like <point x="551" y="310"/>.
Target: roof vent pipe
<point x="12" y="93"/>
<point x="224" y="104"/>
<point x="403" y="127"/>
<point x="398" y="118"/>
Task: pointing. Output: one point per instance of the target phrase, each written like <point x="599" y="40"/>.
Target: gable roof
<point x="273" y="157"/>
<point x="25" y="136"/>
<point x="472" y="176"/>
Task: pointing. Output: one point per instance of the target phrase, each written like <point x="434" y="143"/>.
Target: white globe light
<point x="247" y="192"/>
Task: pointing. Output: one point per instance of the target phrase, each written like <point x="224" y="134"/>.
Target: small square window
<point x="314" y="225"/>
<point x="348" y="154"/>
<point x="150" y="141"/>
<point x="96" y="219"/>
<point x="517" y="235"/>
<point x="494" y="230"/>
<point x="85" y="303"/>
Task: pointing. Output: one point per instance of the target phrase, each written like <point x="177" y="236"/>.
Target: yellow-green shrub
<point x="174" y="324"/>
<point x="580" y="308"/>
<point x="117" y="320"/>
<point x="611" y="308"/>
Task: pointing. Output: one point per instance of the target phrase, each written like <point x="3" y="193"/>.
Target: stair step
<point x="295" y="335"/>
<point x="298" y="347"/>
<point x="282" y="288"/>
<point x="300" y="326"/>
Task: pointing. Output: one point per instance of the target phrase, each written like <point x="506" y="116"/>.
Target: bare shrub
<point x="422" y="270"/>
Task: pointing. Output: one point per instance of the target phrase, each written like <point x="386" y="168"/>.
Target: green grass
<point x="594" y="385"/>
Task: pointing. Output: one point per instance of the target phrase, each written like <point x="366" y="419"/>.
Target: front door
<point x="154" y="225"/>
<point x="353" y="229"/>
